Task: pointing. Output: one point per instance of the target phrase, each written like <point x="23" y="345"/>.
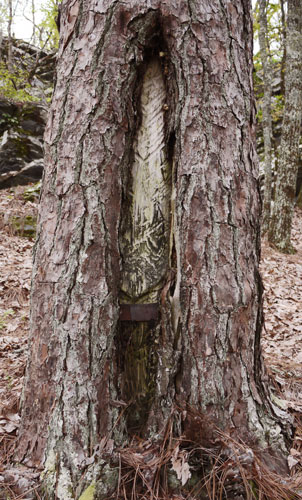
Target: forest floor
<point x="282" y="333"/>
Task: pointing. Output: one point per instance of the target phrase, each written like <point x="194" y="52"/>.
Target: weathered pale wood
<point x="145" y="227"/>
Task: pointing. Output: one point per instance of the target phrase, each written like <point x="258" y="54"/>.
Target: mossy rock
<point x="24" y="226"/>
<point x="32" y="193"/>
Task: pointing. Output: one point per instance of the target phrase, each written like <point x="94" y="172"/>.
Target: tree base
<point x="217" y="466"/>
<point x="287" y="249"/>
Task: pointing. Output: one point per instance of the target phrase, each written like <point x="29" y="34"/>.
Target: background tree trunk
<point x="281" y="222"/>
<point x="33" y="15"/>
<point x="203" y="353"/>
<point x="283" y="39"/>
<point x="1" y="39"/>
<point x="9" y="35"/>
<point x="266" y="114"/>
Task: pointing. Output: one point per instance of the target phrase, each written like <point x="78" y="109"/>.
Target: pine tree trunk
<point x="281" y="222"/>
<point x="266" y="114"/>
<point x="146" y="298"/>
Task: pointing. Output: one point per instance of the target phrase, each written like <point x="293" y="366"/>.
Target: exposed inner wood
<point x="144" y="244"/>
<point x="144" y="237"/>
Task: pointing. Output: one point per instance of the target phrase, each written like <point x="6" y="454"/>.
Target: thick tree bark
<point x="267" y="115"/>
<point x="92" y="375"/>
<point x="281" y="222"/>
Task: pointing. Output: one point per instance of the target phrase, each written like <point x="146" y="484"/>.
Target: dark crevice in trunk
<point x="138" y="366"/>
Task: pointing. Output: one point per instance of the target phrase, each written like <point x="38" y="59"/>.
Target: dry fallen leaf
<point x="292" y="462"/>
<point x="180" y="465"/>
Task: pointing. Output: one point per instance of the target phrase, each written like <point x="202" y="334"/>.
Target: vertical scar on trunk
<point x="144" y="244"/>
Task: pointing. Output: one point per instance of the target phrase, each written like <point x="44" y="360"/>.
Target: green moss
<point x="24" y="226"/>
<point x="33" y="192"/>
<point x="14" y="84"/>
<point x="21" y="145"/>
<point x="7" y="121"/>
<point x="4" y="316"/>
<point x="88" y="494"/>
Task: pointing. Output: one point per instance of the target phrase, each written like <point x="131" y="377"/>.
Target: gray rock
<point x="21" y="144"/>
<point x="22" y="124"/>
<point x="28" y="173"/>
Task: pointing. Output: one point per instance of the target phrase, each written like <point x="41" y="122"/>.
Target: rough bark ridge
<point x="282" y="213"/>
<point x="206" y="349"/>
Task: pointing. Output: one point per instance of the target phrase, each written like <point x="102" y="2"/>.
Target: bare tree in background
<point x="282" y="213"/>
<point x="266" y="113"/>
<point x="9" y="35"/>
